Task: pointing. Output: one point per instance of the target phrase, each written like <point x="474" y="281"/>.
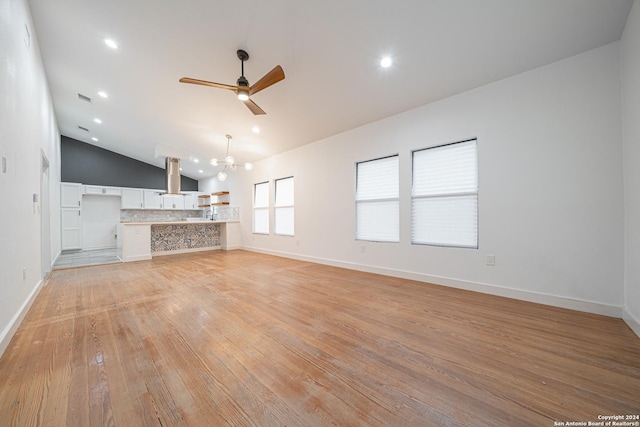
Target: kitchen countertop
<point x="175" y="222"/>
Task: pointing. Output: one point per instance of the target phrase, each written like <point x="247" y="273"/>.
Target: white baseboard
<point x="535" y="297"/>
<point x="185" y="251"/>
<point x="632" y="321"/>
<point x="55" y="258"/>
<point x="15" y="322"/>
<point x="136" y="258"/>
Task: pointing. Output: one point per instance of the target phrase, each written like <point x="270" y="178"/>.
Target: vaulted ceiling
<point x="330" y="51"/>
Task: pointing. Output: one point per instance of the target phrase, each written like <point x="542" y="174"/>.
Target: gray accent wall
<point x="88" y="164"/>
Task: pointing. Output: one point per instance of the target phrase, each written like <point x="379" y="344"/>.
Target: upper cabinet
<point x="132" y="198"/>
<point x="70" y="195"/>
<point x="99" y="190"/>
<point x="152" y="199"/>
<point x="191" y="201"/>
<point x="173" y="202"/>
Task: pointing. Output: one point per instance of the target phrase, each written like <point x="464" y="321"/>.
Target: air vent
<point x="84" y="98"/>
<point x="84" y="129"/>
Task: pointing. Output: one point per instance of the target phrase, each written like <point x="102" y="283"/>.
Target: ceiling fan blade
<point x="271" y="78"/>
<point x="254" y="107"/>
<point x="206" y="83"/>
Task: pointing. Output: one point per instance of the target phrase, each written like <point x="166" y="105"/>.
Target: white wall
<point x="551" y="198"/>
<point x="630" y="60"/>
<point x="27" y="126"/>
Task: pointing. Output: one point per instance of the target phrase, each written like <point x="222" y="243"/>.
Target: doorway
<point x="45" y="220"/>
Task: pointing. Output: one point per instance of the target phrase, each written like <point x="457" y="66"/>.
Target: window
<point x="261" y="208"/>
<point x="283" y="211"/>
<point x="377" y="203"/>
<point x="444" y="205"/>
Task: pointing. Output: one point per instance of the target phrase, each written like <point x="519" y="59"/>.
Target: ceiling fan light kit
<point x="242" y="89"/>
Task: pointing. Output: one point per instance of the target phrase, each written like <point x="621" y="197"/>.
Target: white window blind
<point x="283" y="212"/>
<point x="377" y="200"/>
<point x="444" y="206"/>
<point x="261" y="208"/>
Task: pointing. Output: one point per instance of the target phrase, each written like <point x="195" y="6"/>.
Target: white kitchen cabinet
<point x="152" y="199"/>
<point x="71" y="236"/>
<point x="70" y="195"/>
<point x="70" y="215"/>
<point x="173" y="202"/>
<point x="191" y="201"/>
<point x="132" y="198"/>
<point x="134" y="242"/>
<point x="98" y="190"/>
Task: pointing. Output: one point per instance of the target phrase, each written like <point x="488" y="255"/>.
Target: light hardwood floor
<point x="239" y="338"/>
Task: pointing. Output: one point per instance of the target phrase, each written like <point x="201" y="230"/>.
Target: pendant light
<point x="229" y="163"/>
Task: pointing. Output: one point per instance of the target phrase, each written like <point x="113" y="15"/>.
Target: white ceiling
<point x="329" y="50"/>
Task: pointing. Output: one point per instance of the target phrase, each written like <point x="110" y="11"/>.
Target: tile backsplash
<point x="157" y="215"/>
<point x="220" y="213"/>
<point x="226" y="213"/>
<point x="173" y="237"/>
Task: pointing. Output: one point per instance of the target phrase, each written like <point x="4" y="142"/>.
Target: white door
<point x="45" y="224"/>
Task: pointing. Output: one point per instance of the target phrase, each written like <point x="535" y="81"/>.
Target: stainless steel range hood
<point x="173" y="176"/>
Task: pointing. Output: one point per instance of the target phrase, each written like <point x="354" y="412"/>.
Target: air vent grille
<point x="84" y="98"/>
<point x="83" y="128"/>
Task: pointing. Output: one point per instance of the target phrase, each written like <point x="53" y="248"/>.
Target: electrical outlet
<point x="297" y="242"/>
<point x="24" y="273"/>
<point x="361" y="249"/>
<point x="491" y="260"/>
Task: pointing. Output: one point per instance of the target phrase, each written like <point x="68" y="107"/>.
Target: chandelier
<point x="229" y="162"/>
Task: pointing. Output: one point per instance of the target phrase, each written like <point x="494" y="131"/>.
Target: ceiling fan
<point x="243" y="90"/>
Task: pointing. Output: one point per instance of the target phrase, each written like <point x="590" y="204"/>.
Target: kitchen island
<point x="144" y="240"/>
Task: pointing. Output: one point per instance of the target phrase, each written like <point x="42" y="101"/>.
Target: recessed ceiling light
<point x="97" y="120"/>
<point x="94" y="139"/>
<point x="386" y="62"/>
<point x="196" y="161"/>
<point x="255" y="129"/>
<point x="103" y="94"/>
<point x="112" y="44"/>
<point x="200" y="171"/>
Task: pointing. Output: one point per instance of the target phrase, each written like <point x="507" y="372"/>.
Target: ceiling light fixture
<point x="255" y="129"/>
<point x="94" y="139"/>
<point x="243" y="94"/>
<point x="229" y="162"/>
<point x="386" y="62"/>
<point x="103" y="94"/>
<point x="112" y="44"/>
<point x="97" y="120"/>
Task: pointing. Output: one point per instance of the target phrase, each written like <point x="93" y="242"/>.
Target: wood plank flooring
<point x="245" y="339"/>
